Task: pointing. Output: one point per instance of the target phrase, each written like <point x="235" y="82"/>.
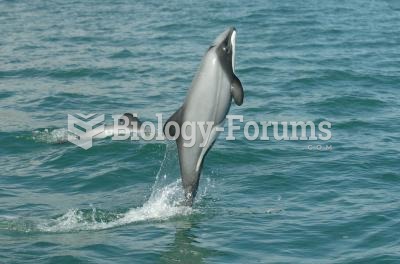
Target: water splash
<point x="60" y="135"/>
<point x="165" y="201"/>
<point x="56" y="136"/>
<point x="163" y="204"/>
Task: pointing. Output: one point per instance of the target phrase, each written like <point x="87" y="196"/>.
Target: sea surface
<point x="335" y="201"/>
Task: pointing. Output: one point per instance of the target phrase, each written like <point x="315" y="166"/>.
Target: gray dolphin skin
<point x="133" y="126"/>
<point x="208" y="100"/>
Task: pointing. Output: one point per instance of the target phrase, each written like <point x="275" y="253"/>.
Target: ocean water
<point x="259" y="201"/>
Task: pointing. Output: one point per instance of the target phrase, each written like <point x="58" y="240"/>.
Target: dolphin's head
<point x="134" y="122"/>
<point x="224" y="48"/>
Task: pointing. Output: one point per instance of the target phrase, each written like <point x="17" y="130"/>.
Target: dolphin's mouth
<point x="228" y="41"/>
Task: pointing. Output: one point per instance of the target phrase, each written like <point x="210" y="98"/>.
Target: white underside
<point x="233" y="43"/>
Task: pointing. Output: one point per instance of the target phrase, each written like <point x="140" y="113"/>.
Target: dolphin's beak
<point x="225" y="36"/>
<point x="228" y="39"/>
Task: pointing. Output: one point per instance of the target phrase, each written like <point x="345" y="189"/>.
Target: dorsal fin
<point x="176" y="117"/>
<point x="132" y="119"/>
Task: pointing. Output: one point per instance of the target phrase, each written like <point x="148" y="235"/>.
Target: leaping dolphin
<point x="208" y="100"/>
<point x="132" y="126"/>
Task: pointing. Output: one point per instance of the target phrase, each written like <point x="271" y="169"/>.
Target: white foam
<point x="164" y="203"/>
<point x="51" y="136"/>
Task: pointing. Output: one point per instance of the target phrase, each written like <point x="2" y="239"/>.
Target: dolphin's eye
<point x="226" y="49"/>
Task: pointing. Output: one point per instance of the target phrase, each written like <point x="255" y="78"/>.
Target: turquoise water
<point x="259" y="201"/>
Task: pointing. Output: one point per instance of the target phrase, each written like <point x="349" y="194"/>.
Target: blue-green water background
<point x="259" y="202"/>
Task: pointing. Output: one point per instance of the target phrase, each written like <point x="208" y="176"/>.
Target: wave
<point x="123" y="54"/>
<point x="348" y="103"/>
<point x="108" y="73"/>
<point x="352" y="124"/>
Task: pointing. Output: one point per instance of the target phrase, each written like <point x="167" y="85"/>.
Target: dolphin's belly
<point x="209" y="98"/>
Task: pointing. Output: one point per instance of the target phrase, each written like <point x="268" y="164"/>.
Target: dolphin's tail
<point x="188" y="200"/>
<point x="190" y="185"/>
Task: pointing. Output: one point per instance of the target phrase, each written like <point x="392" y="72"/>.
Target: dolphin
<point x="133" y="126"/>
<point x="208" y="100"/>
<point x="129" y="122"/>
